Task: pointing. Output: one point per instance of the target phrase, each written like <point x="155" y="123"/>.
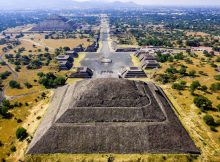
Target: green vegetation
<point x="215" y="87"/>
<point x="5" y="75"/>
<point x="49" y="80"/>
<point x="179" y="86"/>
<point x="209" y="120"/>
<point x="203" y="103"/>
<point x="21" y="133"/>
<point x="195" y="85"/>
<point x="14" y="84"/>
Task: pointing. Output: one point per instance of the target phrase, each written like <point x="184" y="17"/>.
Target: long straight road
<point x="94" y="60"/>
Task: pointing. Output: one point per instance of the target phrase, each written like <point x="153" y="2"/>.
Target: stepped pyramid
<point x="110" y="116"/>
<point x="54" y="23"/>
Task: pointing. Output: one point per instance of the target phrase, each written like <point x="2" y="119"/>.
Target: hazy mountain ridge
<point x="64" y="4"/>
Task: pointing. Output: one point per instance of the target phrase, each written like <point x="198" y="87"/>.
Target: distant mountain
<point x="64" y="4"/>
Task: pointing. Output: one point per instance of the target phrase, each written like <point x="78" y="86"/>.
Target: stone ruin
<point x="111" y="116"/>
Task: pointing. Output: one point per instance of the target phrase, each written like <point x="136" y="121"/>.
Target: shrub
<point x="213" y="129"/>
<point x="179" y="86"/>
<point x="217" y="77"/>
<point x="192" y="73"/>
<point x="209" y="120"/>
<point x="203" y="103"/>
<point x="215" y="87"/>
<point x="14" y="84"/>
<point x="13" y="148"/>
<point x="204" y="88"/>
<point x="195" y="85"/>
<point x="21" y="133"/>
<point x="28" y="85"/>
<point x="1" y="144"/>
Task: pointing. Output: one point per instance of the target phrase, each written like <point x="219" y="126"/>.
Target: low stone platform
<point x="133" y="72"/>
<point x="111" y="116"/>
<point x="82" y="72"/>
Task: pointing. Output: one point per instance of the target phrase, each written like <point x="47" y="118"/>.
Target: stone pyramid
<point x="54" y="23"/>
<point x="111" y="116"/>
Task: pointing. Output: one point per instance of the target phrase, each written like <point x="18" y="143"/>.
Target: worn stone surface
<point x="111" y="116"/>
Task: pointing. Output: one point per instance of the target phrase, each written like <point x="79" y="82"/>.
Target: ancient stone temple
<point x="111" y="116"/>
<point x="54" y="23"/>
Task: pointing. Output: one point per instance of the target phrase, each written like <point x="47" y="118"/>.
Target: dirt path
<point x="40" y="44"/>
<point x="14" y="74"/>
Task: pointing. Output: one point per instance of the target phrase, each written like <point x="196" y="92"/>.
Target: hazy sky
<point x="171" y="2"/>
<point x="144" y="2"/>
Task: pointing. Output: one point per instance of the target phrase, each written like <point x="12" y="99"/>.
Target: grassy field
<point x="65" y="42"/>
<point x="111" y="158"/>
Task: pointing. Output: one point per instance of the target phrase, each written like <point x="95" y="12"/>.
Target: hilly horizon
<point x="64" y="4"/>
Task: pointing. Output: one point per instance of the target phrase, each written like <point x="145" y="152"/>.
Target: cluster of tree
<point x="5" y="75"/>
<point x="35" y="64"/>
<point x="208" y="54"/>
<point x="209" y="120"/>
<point x="195" y="85"/>
<point x="166" y="78"/>
<point x="31" y="61"/>
<point x="179" y="86"/>
<point x="50" y="80"/>
<point x="14" y="84"/>
<point x="4" y="107"/>
<point x="182" y="71"/>
<point x="154" y="42"/>
<point x="193" y="43"/>
<point x="164" y="58"/>
<point x="203" y="103"/>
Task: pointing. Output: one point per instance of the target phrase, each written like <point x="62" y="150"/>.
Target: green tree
<point x="14" y="84"/>
<point x="192" y="73"/>
<point x="209" y="120"/>
<point x="203" y="103"/>
<point x="195" y="85"/>
<point x="215" y="87"/>
<point x="21" y="133"/>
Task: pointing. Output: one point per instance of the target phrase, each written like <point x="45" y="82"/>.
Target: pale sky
<point x="15" y="3"/>
<point x="169" y="2"/>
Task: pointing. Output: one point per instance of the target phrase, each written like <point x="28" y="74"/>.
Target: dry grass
<point x="31" y="122"/>
<point x="197" y="34"/>
<point x="110" y="157"/>
<point x="56" y="43"/>
<point x="8" y="127"/>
